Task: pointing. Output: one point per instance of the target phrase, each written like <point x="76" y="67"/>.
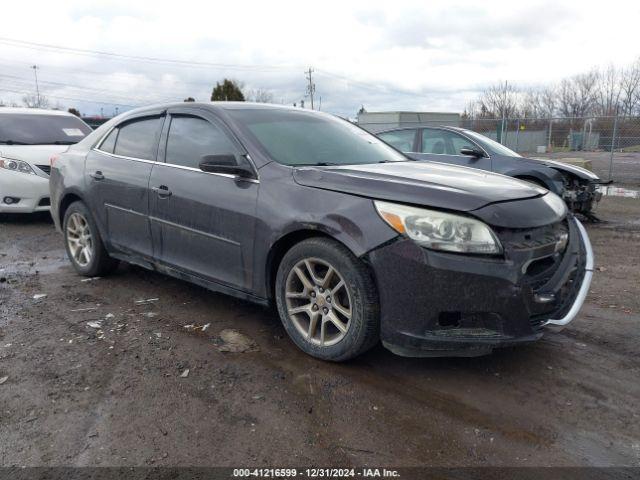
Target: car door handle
<point x="97" y="175"/>
<point x="162" y="191"/>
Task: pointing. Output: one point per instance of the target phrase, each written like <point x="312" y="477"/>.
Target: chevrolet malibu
<point x="348" y="238"/>
<point x="28" y="139"/>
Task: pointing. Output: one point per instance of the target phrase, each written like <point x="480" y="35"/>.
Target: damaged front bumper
<point x="444" y="304"/>
<point x="582" y="197"/>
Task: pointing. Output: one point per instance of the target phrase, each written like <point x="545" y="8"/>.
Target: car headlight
<point x="16" y="166"/>
<point x="440" y="230"/>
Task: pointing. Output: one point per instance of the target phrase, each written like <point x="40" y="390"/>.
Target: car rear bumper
<point x="29" y="193"/>
<point x="441" y="304"/>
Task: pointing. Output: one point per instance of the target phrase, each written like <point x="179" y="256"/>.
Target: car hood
<point x="428" y="184"/>
<point x="580" y="172"/>
<point x="33" y="154"/>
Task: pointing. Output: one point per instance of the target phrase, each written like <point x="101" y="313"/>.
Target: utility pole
<point x="35" y="73"/>
<point x="311" y="89"/>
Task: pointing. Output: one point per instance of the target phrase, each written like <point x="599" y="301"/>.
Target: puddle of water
<point x="619" y="192"/>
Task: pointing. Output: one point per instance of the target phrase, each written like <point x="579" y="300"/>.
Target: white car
<point x="29" y="137"/>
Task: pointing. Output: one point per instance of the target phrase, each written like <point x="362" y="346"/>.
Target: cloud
<point x="409" y="55"/>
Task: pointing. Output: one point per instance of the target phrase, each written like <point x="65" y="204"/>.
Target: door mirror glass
<point x="226" y="163"/>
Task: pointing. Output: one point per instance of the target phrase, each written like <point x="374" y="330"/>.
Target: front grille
<point x="543" y="254"/>
<point x="523" y="239"/>
<point x="45" y="168"/>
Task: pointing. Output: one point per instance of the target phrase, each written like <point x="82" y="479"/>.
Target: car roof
<point x="32" y="111"/>
<point x="214" y="106"/>
<point x="414" y="127"/>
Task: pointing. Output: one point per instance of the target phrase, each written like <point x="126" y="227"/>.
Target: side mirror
<point x="227" y="164"/>
<point x="472" y="152"/>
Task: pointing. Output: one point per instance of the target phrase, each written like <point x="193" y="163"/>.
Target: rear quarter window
<point x="138" y="139"/>
<point x="109" y="143"/>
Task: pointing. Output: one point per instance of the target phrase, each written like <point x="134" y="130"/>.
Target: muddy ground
<point x="77" y="395"/>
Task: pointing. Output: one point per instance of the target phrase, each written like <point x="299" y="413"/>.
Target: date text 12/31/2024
<point x="315" y="473"/>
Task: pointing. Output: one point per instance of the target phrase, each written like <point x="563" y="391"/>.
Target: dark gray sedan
<point x="576" y="185"/>
<point x="351" y="241"/>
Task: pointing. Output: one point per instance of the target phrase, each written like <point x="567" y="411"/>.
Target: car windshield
<point x="41" y="129"/>
<point x="491" y="145"/>
<point x="299" y="137"/>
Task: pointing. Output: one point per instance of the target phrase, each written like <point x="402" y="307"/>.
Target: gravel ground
<point x="141" y="389"/>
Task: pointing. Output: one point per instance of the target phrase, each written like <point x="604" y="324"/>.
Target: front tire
<point x="83" y="243"/>
<point x="327" y="300"/>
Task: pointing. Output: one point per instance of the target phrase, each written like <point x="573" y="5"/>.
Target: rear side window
<point x="190" y="138"/>
<point x="401" y="139"/>
<point x="138" y="139"/>
<point x="110" y="142"/>
<point x="443" y="142"/>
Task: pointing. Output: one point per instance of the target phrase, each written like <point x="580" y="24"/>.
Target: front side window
<point x="300" y="137"/>
<point x="190" y="138"/>
<point x="41" y="129"/>
<point x="443" y="142"/>
<point x="138" y="139"/>
<point x="401" y="139"/>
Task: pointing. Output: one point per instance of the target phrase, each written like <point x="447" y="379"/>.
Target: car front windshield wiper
<point x="317" y="164"/>
<point x="13" y="142"/>
<point x="55" y="142"/>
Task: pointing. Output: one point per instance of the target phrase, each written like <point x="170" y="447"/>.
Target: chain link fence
<point x="610" y="145"/>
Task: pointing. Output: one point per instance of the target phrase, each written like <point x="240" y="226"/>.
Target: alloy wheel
<point x="79" y="239"/>
<point x="318" y="301"/>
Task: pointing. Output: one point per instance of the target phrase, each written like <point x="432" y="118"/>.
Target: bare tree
<point x="609" y="91"/>
<point x="259" y="96"/>
<point x="549" y="101"/>
<point x="578" y="95"/>
<point x="35" y="101"/>
<point x="630" y="89"/>
<point x="501" y="100"/>
<point x="531" y="103"/>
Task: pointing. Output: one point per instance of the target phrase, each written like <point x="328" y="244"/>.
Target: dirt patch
<point x="94" y="378"/>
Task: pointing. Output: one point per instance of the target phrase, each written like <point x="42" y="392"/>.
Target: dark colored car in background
<point x="352" y="241"/>
<point x="576" y="185"/>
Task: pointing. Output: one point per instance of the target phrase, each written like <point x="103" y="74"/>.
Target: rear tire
<point x="327" y="300"/>
<point x="83" y="243"/>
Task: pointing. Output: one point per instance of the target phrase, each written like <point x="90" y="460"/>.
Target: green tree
<point x="227" y="91"/>
<point x="74" y="111"/>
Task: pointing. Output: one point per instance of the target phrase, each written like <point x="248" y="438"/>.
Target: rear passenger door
<point x="117" y="178"/>
<point x="441" y="145"/>
<point x="205" y="221"/>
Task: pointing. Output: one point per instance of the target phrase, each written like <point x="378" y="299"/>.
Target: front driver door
<point x="205" y="221"/>
<point x="440" y="145"/>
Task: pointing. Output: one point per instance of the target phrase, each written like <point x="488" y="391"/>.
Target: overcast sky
<point x="387" y="55"/>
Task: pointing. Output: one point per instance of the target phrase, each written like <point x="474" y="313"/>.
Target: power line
<point x="188" y="63"/>
<point x="75" y="99"/>
<point x="17" y="79"/>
